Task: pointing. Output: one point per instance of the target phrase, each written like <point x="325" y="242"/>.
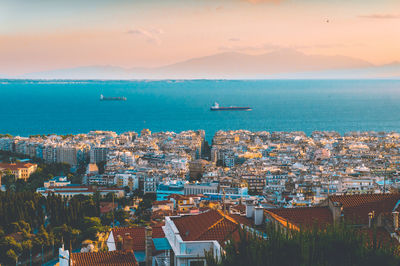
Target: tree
<point x="101" y="166"/>
<point x="334" y="245"/>
<point x="92" y="226"/>
<point x="11" y="248"/>
<point x="7" y="178"/>
<point x="11" y="257"/>
<point x="68" y="234"/>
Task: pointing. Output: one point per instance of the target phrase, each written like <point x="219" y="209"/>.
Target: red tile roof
<point x="138" y="235"/>
<point x="210" y="225"/>
<point x="162" y="202"/>
<point x="177" y="197"/>
<point x="122" y="258"/>
<point x="357" y="207"/>
<point x="359" y="199"/>
<point x="305" y="216"/>
<point x="106" y="207"/>
<point x="160" y="214"/>
<point x="15" y="166"/>
<point x="242" y="219"/>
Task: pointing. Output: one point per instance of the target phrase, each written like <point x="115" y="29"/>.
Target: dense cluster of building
<point x="245" y="178"/>
<point x="285" y="168"/>
<point x="291" y="168"/>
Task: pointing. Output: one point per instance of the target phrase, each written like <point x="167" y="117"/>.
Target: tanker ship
<point x="102" y="98"/>
<point x="216" y="107"/>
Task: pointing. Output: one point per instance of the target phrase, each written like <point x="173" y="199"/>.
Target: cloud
<point x="381" y="16"/>
<point x="234" y="39"/>
<point x="150" y="35"/>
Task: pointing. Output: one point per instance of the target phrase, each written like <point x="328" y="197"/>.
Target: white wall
<point x="187" y="250"/>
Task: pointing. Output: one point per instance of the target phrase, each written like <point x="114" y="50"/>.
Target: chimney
<point x="396" y="220"/>
<point x="249" y="209"/>
<point x="370" y="216"/>
<point x="337" y="211"/>
<point x="128" y="242"/>
<point x="118" y="242"/>
<point x="148" y="246"/>
<point x="258" y="215"/>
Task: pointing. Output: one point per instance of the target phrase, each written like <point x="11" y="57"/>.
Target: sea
<point x="29" y="107"/>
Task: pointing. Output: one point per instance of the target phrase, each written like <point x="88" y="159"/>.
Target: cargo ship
<point x="216" y="107"/>
<point x="102" y="98"/>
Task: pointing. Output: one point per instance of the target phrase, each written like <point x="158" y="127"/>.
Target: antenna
<point x="113" y="210"/>
<point x="223" y="200"/>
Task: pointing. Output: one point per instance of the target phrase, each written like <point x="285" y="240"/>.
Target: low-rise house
<point x="362" y="211"/>
<point x="147" y="244"/>
<point x="72" y="190"/>
<point x="302" y="217"/>
<point x="58" y="181"/>
<point x="191" y="235"/>
<point x="182" y="203"/>
<point x="164" y="205"/>
<point x="201" y="188"/>
<point x="19" y="170"/>
<point x="123" y="258"/>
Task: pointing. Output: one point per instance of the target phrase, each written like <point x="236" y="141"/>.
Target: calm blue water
<point x="33" y="107"/>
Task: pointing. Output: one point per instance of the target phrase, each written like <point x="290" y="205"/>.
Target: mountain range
<point x="282" y="63"/>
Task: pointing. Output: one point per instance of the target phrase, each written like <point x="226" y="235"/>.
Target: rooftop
<point x="121" y="258"/>
<point x="304" y="216"/>
<point x="357" y="207"/>
<point x="210" y="225"/>
<point x="138" y="235"/>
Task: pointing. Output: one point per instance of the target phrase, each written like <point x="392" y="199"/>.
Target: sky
<point x="44" y="35"/>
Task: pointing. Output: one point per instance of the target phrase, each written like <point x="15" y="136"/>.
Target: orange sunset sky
<point x="51" y="34"/>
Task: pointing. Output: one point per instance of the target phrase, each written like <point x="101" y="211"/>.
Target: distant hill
<point x="257" y="66"/>
<point x="283" y="63"/>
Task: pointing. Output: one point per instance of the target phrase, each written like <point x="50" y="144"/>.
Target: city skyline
<point x="48" y="35"/>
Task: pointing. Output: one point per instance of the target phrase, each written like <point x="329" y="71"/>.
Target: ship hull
<point x="233" y="108"/>
<point x="113" y="99"/>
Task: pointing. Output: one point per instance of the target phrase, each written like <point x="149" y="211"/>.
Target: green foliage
<point x="92" y="226"/>
<point x="7" y="179"/>
<point x="143" y="211"/>
<point x="10" y="257"/>
<point x="25" y="212"/>
<point x="121" y="216"/>
<point x="101" y="166"/>
<point x="10" y="248"/>
<point x="43" y="173"/>
<point x="67" y="234"/>
<point x="18" y="206"/>
<point x="336" y="245"/>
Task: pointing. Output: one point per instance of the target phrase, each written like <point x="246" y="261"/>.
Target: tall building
<point x="98" y="154"/>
